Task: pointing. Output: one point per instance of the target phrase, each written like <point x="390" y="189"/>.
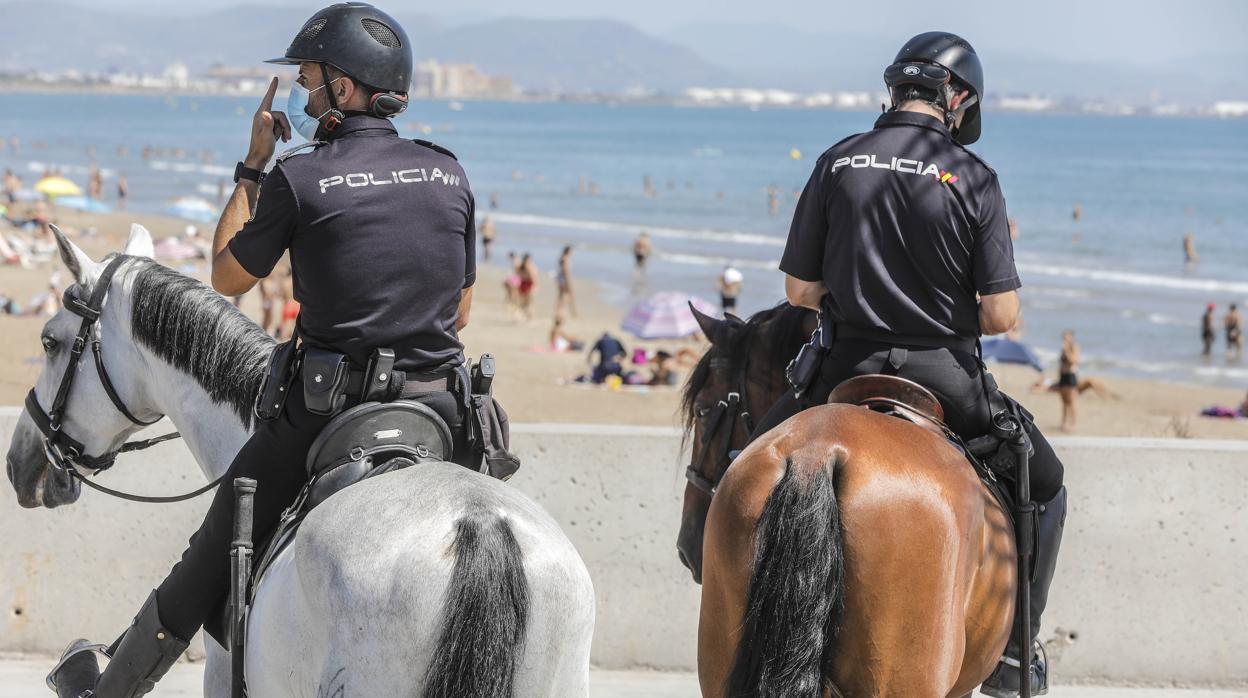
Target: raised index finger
<point x="267" y="103"/>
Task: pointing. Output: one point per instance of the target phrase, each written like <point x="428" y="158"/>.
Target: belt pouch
<point x="492" y="433"/>
<point x="278" y="378"/>
<point x="325" y="375"/>
<point x="378" y="377"/>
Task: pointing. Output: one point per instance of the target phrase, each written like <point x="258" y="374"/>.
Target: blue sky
<point x="1140" y="32"/>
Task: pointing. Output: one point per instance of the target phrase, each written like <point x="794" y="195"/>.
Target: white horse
<point x="433" y="580"/>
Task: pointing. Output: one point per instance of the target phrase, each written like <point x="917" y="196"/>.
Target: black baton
<point x="240" y="570"/>
<point x="1025" y="531"/>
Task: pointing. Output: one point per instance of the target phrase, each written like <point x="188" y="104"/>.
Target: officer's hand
<point x="266" y="127"/>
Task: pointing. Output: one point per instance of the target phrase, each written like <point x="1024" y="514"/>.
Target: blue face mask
<point x="304" y="123"/>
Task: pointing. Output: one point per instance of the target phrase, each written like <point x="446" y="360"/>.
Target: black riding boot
<point x="139" y="658"/>
<point x="1003" y="683"/>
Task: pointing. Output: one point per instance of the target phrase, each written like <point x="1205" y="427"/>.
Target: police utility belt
<point x="803" y="371"/>
<point x="330" y="379"/>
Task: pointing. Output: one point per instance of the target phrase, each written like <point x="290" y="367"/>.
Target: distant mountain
<point x="777" y="55"/>
<point x="773" y="54"/>
<point x="572" y="55"/>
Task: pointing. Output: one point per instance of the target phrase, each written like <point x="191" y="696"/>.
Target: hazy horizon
<point x="1141" y="32"/>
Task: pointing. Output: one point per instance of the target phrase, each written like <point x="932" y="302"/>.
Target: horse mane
<point x="196" y="330"/>
<point x="783" y="326"/>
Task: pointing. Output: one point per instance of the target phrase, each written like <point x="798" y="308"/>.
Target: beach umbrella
<point x="84" y="203"/>
<point x="1009" y="351"/>
<point x="53" y="187"/>
<point x="194" y="208"/>
<point x="665" y="316"/>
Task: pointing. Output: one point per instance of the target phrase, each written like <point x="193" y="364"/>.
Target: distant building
<point x="1226" y="109"/>
<point x="435" y="80"/>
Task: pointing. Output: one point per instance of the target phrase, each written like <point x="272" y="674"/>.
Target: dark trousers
<point x="275" y="457"/>
<point x="955" y="377"/>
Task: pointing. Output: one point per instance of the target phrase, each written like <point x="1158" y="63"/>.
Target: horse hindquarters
<point x="386" y="589"/>
<point x="772" y="587"/>
<point x="886" y="584"/>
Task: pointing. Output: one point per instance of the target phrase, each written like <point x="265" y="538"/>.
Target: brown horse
<point x="845" y="552"/>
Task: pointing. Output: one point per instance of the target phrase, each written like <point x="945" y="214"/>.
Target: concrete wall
<point x="1148" y="584"/>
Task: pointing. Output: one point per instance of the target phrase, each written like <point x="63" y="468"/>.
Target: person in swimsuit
<point x="1206" y="329"/>
<point x="564" y="279"/>
<point x="528" y="283"/>
<point x="486" y="232"/>
<point x="1234" y="333"/>
<point x="641" y="252"/>
<point x="1068" y="379"/>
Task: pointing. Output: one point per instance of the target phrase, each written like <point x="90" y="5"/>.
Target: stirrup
<point x="75" y="648"/>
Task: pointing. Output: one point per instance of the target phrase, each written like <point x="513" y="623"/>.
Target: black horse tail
<point x="796" y="592"/>
<point x="485" y="614"/>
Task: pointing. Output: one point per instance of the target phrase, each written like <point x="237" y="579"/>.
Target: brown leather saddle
<point x="895" y="396"/>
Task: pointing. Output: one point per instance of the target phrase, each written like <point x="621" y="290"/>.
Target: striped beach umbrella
<point x="665" y="316"/>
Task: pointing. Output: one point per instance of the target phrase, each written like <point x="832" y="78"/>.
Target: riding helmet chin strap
<point x="335" y="116"/>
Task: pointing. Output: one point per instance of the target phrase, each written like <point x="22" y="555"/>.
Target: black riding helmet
<point x="358" y="39"/>
<point x="920" y="62"/>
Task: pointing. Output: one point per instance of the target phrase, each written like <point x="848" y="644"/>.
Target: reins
<point x="65" y="453"/>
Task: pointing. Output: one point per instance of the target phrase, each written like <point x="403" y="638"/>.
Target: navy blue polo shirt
<point x="904" y="226"/>
<point x="381" y="238"/>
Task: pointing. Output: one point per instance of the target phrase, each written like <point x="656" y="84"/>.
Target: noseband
<point x="725" y="413"/>
<point x="65" y="453"/>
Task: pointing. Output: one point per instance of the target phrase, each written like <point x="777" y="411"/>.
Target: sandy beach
<point x="532" y="382"/>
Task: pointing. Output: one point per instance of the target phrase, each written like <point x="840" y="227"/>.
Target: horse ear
<point x="79" y="264"/>
<point x="710" y="326"/>
<point x="733" y="319"/>
<point x="140" y="242"/>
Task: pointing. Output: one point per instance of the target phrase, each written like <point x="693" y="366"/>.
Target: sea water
<point x="572" y="174"/>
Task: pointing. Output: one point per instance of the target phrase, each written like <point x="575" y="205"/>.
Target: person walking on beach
<point x="730" y="282"/>
<point x="1234" y="324"/>
<point x="378" y="267"/>
<point x="123" y="191"/>
<point x="563" y="277"/>
<point x="1207" y="334"/>
<point x="486" y="232"/>
<point x="1068" y="379"/>
<point x="528" y="273"/>
<point x="914" y="305"/>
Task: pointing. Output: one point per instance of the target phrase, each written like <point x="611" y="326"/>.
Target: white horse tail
<point x="485" y="614"/>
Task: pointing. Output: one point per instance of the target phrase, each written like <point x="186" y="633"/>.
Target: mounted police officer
<point x="901" y="240"/>
<point x="380" y="234"/>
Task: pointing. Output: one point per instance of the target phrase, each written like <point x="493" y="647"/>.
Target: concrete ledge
<point x="1148" y="583"/>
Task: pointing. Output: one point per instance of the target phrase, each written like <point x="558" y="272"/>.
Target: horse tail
<point x="485" y="614"/>
<point x="795" y="597"/>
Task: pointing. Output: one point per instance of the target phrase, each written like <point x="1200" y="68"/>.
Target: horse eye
<point x="49" y="344"/>
<point x="702" y="412"/>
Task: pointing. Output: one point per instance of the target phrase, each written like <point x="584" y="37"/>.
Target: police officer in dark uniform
<point x="901" y="240"/>
<point x="381" y="237"/>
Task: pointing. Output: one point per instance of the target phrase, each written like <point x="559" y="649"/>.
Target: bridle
<point x="65" y="453"/>
<point x="726" y="412"/>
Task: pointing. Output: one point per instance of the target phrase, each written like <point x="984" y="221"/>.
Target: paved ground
<point x="24" y="679"/>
